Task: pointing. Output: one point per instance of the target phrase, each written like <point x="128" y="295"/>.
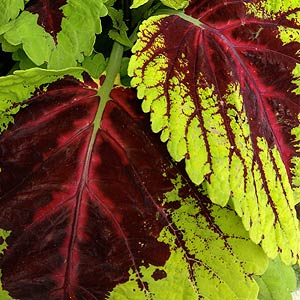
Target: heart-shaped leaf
<point x="96" y="209"/>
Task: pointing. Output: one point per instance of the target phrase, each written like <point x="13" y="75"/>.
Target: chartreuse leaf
<point x="95" y="64"/>
<point x="211" y="254"/>
<point x="59" y="36"/>
<point x="15" y="88"/>
<point x="9" y="10"/>
<point x="138" y="3"/>
<point x="277" y="283"/>
<point x="37" y="43"/>
<point x="23" y="61"/>
<point x="176" y="4"/>
<point x="212" y="93"/>
<point x="3" y="245"/>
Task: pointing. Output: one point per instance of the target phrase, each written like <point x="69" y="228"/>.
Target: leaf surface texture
<point x="221" y="83"/>
<point x="102" y="212"/>
<point x="58" y="34"/>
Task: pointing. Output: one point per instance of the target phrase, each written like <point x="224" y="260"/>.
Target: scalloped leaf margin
<point x="75" y="40"/>
<point x="211" y="253"/>
<point x="213" y="135"/>
<point x="212" y="257"/>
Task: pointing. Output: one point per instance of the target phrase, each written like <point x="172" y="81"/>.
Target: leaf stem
<point x="112" y="70"/>
<point x="181" y="14"/>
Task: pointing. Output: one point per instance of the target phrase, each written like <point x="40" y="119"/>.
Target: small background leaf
<point x="278" y="282"/>
<point x="9" y="10"/>
<point x="176" y="4"/>
<point x="137" y="3"/>
<point x="72" y="40"/>
<point x="23" y="60"/>
<point x="95" y="64"/>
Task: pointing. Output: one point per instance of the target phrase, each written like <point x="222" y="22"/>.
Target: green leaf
<point x="75" y="40"/>
<point x="7" y="47"/>
<point x="119" y="33"/>
<point x="176" y="4"/>
<point x="9" y="10"/>
<point x="138" y="3"/>
<point x="125" y="79"/>
<point x="277" y="283"/>
<point x="37" y="43"/>
<point x="212" y="257"/>
<point x="94" y="64"/>
<point x="21" y="57"/>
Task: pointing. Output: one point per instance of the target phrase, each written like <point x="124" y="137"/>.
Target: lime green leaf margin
<point x="212" y="257"/>
<point x="274" y="223"/>
<point x="15" y="88"/>
<point x="3" y="235"/>
<point x="270" y="9"/>
<point x="175" y="4"/>
<point x="138" y="3"/>
<point x="9" y="10"/>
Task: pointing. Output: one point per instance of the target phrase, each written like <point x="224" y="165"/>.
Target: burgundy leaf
<point x="50" y="14"/>
<point x="221" y="84"/>
<point x="97" y="212"/>
<point x="81" y="212"/>
<point x="239" y="45"/>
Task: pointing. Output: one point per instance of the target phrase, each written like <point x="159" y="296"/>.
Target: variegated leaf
<point x="222" y="86"/>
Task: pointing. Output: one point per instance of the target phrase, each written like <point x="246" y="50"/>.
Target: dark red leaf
<point x="81" y="212"/>
<point x="101" y="212"/>
<point x="239" y="45"/>
<point x="221" y="84"/>
<point x="50" y="14"/>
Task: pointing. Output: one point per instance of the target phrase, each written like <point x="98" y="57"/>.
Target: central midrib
<point x="112" y="70"/>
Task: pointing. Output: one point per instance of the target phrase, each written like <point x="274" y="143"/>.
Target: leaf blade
<point x="217" y="107"/>
<point x="58" y="35"/>
<point x="83" y="223"/>
<point x="279" y="281"/>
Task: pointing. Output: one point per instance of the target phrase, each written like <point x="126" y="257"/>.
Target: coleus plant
<point x="96" y="205"/>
